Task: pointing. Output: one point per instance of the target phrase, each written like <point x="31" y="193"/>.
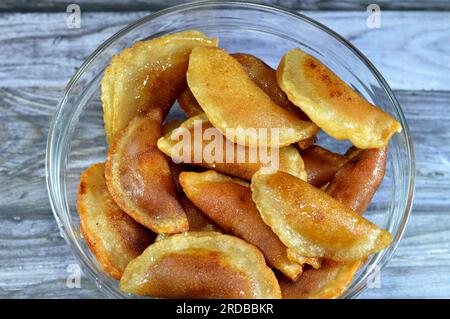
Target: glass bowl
<point x="76" y="137"/>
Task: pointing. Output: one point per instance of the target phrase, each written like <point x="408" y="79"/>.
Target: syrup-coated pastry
<point x="260" y="73"/>
<point x="228" y="202"/>
<point x="198" y="221"/>
<point x="139" y="178"/>
<point x="150" y="74"/>
<point x="188" y="103"/>
<point x="332" y="104"/>
<point x="311" y="222"/>
<point x="201" y="265"/>
<point x="226" y="157"/>
<point x="266" y="78"/>
<point x="365" y="168"/>
<point x="357" y="181"/>
<point x="321" y="164"/>
<point x="113" y="237"/>
<point x="231" y="100"/>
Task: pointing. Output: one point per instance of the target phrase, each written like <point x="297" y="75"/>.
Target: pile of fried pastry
<point x="173" y="228"/>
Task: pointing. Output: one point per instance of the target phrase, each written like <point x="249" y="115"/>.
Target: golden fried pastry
<point x="229" y="203"/>
<point x="198" y="221"/>
<point x="260" y="73"/>
<point x="266" y="78"/>
<point x="183" y="138"/>
<point x="366" y="168"/>
<point x="113" y="237"/>
<point x="332" y="104"/>
<point x="328" y="282"/>
<point x="175" y="168"/>
<point x="321" y="164"/>
<point x="150" y="74"/>
<point x="139" y="178"/>
<point x="311" y="222"/>
<point x="362" y="175"/>
<point x="231" y="100"/>
<point x="294" y="256"/>
<point x="200" y="265"/>
<point x="245" y="120"/>
<point x="188" y="103"/>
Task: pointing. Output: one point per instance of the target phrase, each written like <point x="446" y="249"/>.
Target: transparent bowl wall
<point x="76" y="137"/>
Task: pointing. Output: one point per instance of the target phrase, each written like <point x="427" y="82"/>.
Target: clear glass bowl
<point x="76" y="138"/>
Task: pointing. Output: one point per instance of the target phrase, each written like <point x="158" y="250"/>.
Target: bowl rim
<point x="50" y="161"/>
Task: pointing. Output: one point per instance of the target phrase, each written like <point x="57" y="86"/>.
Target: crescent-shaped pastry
<point x="200" y="265"/>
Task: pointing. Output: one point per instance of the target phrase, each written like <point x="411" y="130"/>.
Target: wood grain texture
<point x="144" y="5"/>
<point x="39" y="49"/>
<point x="35" y="258"/>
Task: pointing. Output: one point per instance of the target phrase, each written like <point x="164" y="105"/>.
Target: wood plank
<point x="145" y="5"/>
<point x="39" y="50"/>
<point x="35" y="259"/>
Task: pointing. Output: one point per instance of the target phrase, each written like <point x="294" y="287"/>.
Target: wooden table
<point x="38" y="55"/>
